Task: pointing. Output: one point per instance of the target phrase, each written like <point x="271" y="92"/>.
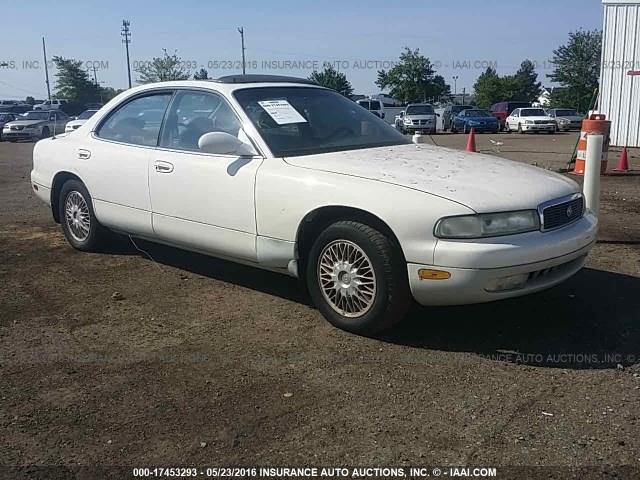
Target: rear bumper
<point x="535" y="262"/>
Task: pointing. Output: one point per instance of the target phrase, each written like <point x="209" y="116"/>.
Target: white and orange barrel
<point x="595" y="124"/>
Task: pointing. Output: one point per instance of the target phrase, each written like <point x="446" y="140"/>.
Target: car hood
<point x="545" y="119"/>
<point x="481" y="119"/>
<point x="73" y="123"/>
<point x="572" y="118"/>
<point x="484" y="183"/>
<point x="429" y="116"/>
<point x="25" y="123"/>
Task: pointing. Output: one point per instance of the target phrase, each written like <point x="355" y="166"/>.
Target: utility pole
<point x="126" y="39"/>
<point x="46" y="70"/>
<point x="464" y="93"/>
<point x="95" y="75"/>
<point x="455" y="84"/>
<point x="241" y="31"/>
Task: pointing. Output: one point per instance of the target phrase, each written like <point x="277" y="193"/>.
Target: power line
<point x="126" y="39"/>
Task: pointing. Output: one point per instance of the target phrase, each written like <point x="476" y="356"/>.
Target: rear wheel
<point x="45" y="133"/>
<point x="79" y="223"/>
<point x="357" y="278"/>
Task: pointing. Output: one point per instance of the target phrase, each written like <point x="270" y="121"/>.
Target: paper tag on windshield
<point x="282" y="112"/>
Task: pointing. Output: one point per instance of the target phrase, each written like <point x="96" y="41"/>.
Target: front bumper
<point x="426" y="128"/>
<point x="19" y="134"/>
<point x="484" y="128"/>
<point x="541" y="259"/>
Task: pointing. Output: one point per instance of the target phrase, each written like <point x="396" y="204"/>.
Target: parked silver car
<point x="35" y="125"/>
<point x="5" y="117"/>
<point x="566" y="118"/>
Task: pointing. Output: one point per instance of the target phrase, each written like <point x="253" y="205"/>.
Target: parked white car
<point x="375" y="106"/>
<point x="285" y="175"/>
<point x="80" y="120"/>
<point x="530" y="120"/>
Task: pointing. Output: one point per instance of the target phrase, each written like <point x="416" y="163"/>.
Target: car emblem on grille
<point x="569" y="211"/>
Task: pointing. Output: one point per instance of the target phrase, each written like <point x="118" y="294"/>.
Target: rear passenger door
<point x="202" y="201"/>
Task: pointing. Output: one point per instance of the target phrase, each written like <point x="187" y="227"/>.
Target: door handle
<point x="84" y="154"/>
<point x="163" y="167"/>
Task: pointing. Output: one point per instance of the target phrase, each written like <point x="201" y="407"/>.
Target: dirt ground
<point x="115" y="359"/>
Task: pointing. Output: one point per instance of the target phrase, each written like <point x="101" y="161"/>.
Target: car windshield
<point x="532" y="112"/>
<point x="370" y="104"/>
<point x="567" y="113"/>
<point x="34" y="116"/>
<point x="477" y="113"/>
<point x="4" y="118"/>
<point x="458" y="108"/>
<point x="304" y="121"/>
<point x="86" y="114"/>
<point x="420" y="110"/>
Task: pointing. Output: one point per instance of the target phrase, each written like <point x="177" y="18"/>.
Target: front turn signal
<point x="430" y="274"/>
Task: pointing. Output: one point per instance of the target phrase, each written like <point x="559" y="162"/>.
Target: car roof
<point x="419" y="105"/>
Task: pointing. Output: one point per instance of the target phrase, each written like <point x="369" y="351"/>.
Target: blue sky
<point x="461" y="37"/>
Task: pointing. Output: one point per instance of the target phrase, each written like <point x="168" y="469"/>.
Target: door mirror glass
<point x="401" y="114"/>
<point x="222" y="143"/>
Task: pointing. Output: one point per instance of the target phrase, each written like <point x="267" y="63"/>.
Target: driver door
<point x="202" y="201"/>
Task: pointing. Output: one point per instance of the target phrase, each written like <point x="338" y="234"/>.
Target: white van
<point x="374" y="106"/>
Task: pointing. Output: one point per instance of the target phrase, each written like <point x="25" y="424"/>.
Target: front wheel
<point x="79" y="222"/>
<point x="357" y="278"/>
<point x="45" y="133"/>
<point x="520" y="128"/>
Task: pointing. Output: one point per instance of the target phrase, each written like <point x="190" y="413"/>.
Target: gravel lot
<point x="115" y="359"/>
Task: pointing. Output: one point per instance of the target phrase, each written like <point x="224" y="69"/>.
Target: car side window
<point x="194" y="113"/>
<point x="138" y="121"/>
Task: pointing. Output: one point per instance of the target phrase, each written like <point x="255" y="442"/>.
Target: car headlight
<point x="563" y="120"/>
<point x="487" y="224"/>
<point x="407" y="121"/>
<point x="528" y="122"/>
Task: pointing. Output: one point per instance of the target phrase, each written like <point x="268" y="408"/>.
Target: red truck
<point x="502" y="110"/>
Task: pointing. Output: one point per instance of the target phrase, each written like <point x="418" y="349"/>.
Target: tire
<point x="506" y="128"/>
<point x="45" y="133"/>
<point x="453" y="129"/>
<point x="381" y="304"/>
<point x="520" y="128"/>
<point x="75" y="194"/>
<point x="464" y="129"/>
<point x="432" y="131"/>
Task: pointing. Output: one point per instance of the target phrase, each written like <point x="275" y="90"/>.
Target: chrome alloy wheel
<point x="346" y="278"/>
<point x="77" y="216"/>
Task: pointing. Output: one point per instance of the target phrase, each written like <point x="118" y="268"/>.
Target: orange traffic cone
<point x="623" y="163"/>
<point x="471" y="141"/>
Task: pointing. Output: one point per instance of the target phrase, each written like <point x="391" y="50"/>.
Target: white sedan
<point x="282" y="174"/>
<point x="530" y="120"/>
<point x="80" y="120"/>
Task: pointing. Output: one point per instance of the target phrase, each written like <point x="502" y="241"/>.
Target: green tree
<point x="577" y="69"/>
<point x="526" y="85"/>
<point x="331" y="78"/>
<point x="30" y="100"/>
<point x="412" y="78"/>
<point x="73" y="82"/>
<point x="163" y="69"/>
<point x="201" y="74"/>
<point x="489" y="88"/>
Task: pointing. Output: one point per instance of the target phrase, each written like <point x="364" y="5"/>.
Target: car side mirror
<point x="401" y="114"/>
<point x="221" y="143"/>
<point x="437" y="114"/>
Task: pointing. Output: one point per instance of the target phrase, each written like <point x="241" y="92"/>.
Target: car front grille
<point x="561" y="214"/>
<point x="419" y="122"/>
<point x="16" y="127"/>
<point x="543" y="122"/>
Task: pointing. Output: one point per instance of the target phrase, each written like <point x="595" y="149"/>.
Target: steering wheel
<point x="339" y="133"/>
